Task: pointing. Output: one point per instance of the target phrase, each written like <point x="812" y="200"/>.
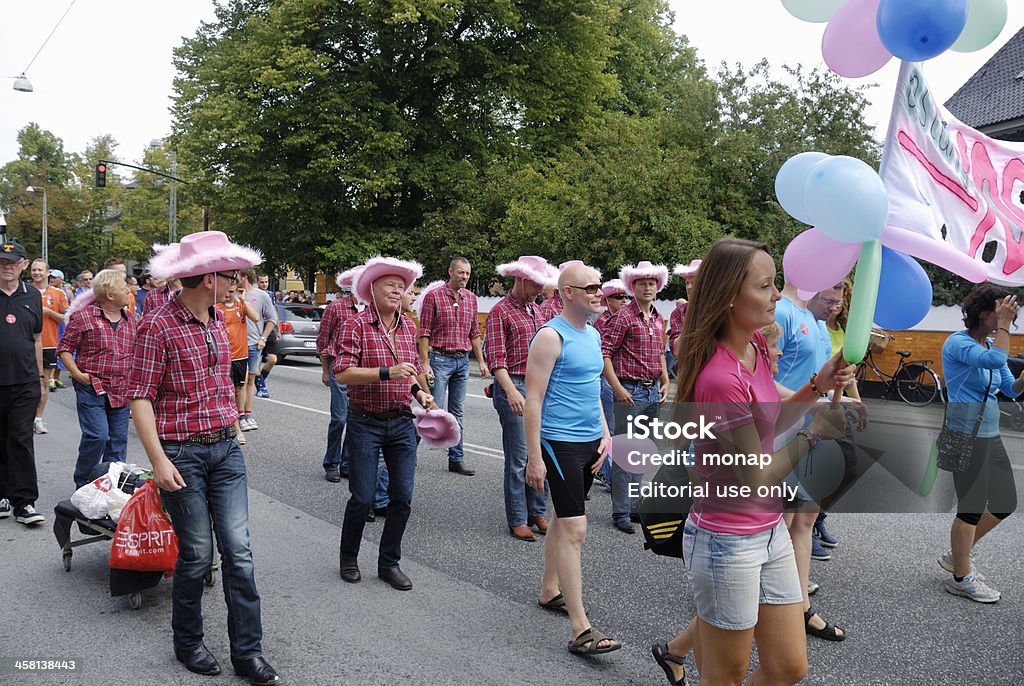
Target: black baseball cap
<point x="12" y="251"/>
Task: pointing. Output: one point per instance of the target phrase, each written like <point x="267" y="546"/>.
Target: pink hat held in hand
<point x="437" y="428"/>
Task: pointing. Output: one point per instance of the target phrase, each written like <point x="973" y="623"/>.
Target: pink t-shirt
<point x="735" y="396"/>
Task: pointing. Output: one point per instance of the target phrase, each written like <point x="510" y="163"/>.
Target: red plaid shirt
<point x="340" y="309"/>
<point x="550" y="308"/>
<point x="449" y="325"/>
<point x="634" y="344"/>
<point x="156" y="298"/>
<point x="511" y="325"/>
<point x="362" y="342"/>
<point x="184" y="368"/>
<point x="675" y="325"/>
<point x="101" y="352"/>
<point x="602" y="321"/>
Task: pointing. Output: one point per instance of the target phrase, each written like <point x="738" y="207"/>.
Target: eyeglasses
<point x="232" y="278"/>
<point x="591" y="289"/>
<point x="619" y="296"/>
<point x="830" y="302"/>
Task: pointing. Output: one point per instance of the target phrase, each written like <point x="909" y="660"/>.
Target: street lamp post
<point x="172" y="208"/>
<point x="46" y="239"/>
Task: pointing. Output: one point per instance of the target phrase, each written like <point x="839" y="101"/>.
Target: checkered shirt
<point x="156" y="298"/>
<point x="364" y="343"/>
<point x="602" y="321"/>
<point x="634" y="345"/>
<point x="184" y="368"/>
<point x="449" y="325"/>
<point x="101" y="352"/>
<point x="550" y="308"/>
<point x="341" y="308"/>
<point x="675" y="324"/>
<point x="511" y="325"/>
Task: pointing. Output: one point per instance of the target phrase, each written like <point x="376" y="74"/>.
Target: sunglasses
<point x="591" y="289"/>
<point x="619" y="296"/>
<point x="232" y="278"/>
<point x="211" y="349"/>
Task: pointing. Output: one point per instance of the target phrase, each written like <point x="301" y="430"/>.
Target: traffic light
<point x="101" y="175"/>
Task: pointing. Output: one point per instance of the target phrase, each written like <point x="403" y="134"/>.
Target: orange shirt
<point x="131" y="305"/>
<point x="234" y="317"/>
<point x="53" y="299"/>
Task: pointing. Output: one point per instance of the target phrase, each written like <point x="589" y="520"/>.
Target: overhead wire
<point x="54" y="30"/>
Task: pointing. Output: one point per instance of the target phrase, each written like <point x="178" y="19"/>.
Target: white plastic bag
<point x="91" y="499"/>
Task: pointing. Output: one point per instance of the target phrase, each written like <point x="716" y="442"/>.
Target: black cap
<point x="12" y="251"/>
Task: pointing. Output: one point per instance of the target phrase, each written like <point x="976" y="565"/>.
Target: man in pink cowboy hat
<point x="688" y="272"/>
<point x="633" y="345"/>
<point x="183" y="403"/>
<point x="449" y="329"/>
<point x="511" y="325"/>
<point x="552" y="307"/>
<point x="341" y="309"/>
<point x="614" y="297"/>
<point x="376" y="358"/>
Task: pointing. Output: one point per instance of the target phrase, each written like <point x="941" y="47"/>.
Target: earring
<point x="732" y="304"/>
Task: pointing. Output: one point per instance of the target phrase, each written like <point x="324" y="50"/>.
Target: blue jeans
<point x="337" y="450"/>
<point x="451" y="376"/>
<point x="520" y="500"/>
<point x="216" y="489"/>
<point x="104" y="432"/>
<point x="608" y="406"/>
<point x="368" y="437"/>
<point x="646" y="399"/>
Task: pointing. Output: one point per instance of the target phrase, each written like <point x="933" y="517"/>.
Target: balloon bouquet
<point x="843" y="198"/>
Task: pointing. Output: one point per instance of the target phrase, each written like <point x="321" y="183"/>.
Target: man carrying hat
<point x="511" y="325"/>
<point x="341" y="309"/>
<point x="21" y="385"/>
<point x="633" y="345"/>
<point x="449" y="330"/>
<point x="377" y="359"/>
<point x="182" y="400"/>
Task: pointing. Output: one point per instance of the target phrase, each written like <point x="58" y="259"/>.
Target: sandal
<point x="556" y="604"/>
<point x="589" y="641"/>
<point x="663" y="657"/>
<point x="828" y="632"/>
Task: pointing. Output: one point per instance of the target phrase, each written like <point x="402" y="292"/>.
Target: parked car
<point x="299" y="324"/>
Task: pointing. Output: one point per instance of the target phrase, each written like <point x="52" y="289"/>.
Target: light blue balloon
<point x="918" y="30"/>
<point x="789" y="183"/>
<point x="845" y="199"/>
<point x="904" y="292"/>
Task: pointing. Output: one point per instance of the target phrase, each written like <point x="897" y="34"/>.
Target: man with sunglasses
<point x="184" y="410"/>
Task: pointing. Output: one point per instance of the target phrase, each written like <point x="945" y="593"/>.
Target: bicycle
<point x="915" y="382"/>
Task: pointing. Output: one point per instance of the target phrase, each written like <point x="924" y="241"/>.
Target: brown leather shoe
<point x="522" y="532"/>
<point x="539" y="521"/>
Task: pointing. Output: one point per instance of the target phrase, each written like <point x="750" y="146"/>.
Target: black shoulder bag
<point x="956" y="448"/>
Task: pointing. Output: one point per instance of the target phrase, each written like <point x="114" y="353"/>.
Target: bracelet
<point x="384" y="373"/>
<point x="814" y="387"/>
<point x="811" y="437"/>
<point x="415" y="389"/>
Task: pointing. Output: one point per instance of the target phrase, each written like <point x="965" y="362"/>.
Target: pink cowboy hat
<point x="531" y="268"/>
<point x="686" y="271"/>
<point x="376" y="267"/>
<point x="417" y="306"/>
<point x="580" y="263"/>
<point x="346" y="278"/>
<point x="437" y="428"/>
<point x="610" y="288"/>
<point x="201" y="253"/>
<point x="643" y="270"/>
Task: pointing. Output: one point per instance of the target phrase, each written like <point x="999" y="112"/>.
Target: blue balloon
<point x="789" y="183"/>
<point x="846" y="200"/>
<point x="918" y="30"/>
<point x="904" y="292"/>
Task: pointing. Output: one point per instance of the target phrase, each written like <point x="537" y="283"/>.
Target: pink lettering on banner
<point x="1001" y="209"/>
<point x="908" y="144"/>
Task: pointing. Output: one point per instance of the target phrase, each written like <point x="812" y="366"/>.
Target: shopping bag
<point x="144" y="540"/>
<point x="91" y="499"/>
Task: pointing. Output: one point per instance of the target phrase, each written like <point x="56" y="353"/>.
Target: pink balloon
<point x="805" y="295"/>
<point x="851" y="46"/>
<point x="814" y="262"/>
<point x="936" y="252"/>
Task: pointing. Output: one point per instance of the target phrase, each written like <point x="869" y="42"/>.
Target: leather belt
<point x="643" y="384"/>
<point x="211" y="438"/>
<point x="389" y="414"/>
<point x="457" y="354"/>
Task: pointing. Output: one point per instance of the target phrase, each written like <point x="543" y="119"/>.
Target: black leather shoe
<point x="380" y="511"/>
<point x="459" y="468"/>
<point x="198" y="660"/>
<point x="350" y="570"/>
<point x="635" y="518"/>
<point x="258" y="670"/>
<point x="396" y="577"/>
<point x="332" y="473"/>
<point x="625" y="527"/>
<point x="370" y="516"/>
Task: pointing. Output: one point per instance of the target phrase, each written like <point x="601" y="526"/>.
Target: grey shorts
<point x="732" y="574"/>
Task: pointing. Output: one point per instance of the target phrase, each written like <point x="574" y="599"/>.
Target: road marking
<point x="297" y="407"/>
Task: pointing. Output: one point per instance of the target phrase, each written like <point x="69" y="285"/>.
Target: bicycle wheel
<point x="917" y="385"/>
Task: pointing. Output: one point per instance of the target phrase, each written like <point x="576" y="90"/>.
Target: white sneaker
<point x="946" y="562"/>
<point x="253" y="426"/>
<point x="971" y="587"/>
<point x="243" y="423"/>
<point x="38" y="426"/>
<point x="5" y="508"/>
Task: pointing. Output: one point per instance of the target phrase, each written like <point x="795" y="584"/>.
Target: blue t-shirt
<point x="804" y="343"/>
<point x="572" y="403"/>
<point x="967" y="364"/>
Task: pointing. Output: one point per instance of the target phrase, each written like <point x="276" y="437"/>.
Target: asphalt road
<point x="472" y="618"/>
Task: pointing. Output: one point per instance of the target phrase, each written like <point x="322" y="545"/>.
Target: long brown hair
<point x="716" y="285"/>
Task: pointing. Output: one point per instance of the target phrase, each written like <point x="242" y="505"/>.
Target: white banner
<point x="940" y="173"/>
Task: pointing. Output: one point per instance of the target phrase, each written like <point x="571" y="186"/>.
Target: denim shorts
<point x="255" y="356"/>
<point x="732" y="574"/>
